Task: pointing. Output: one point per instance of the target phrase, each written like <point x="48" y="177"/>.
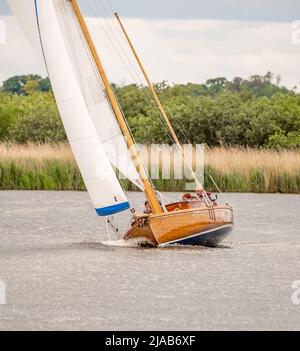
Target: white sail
<point x="99" y="177"/>
<point x="94" y="92"/>
<point x="24" y="11"/>
<point x="88" y="79"/>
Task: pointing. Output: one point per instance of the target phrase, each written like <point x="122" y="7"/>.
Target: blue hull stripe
<point x="106" y="211"/>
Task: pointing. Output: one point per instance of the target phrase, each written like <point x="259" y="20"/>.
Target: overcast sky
<point x="181" y="41"/>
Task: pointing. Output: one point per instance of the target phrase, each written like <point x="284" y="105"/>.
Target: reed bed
<point x="252" y="170"/>
<point x="38" y="167"/>
<point x="52" y="167"/>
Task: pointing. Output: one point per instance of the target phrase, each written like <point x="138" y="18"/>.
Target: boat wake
<point x="142" y="242"/>
<point x="137" y="242"/>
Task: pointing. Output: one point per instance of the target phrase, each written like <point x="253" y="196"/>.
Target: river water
<point x="61" y="271"/>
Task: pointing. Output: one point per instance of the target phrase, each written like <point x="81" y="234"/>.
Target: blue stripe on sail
<point x="40" y="35"/>
<point x="106" y="211"/>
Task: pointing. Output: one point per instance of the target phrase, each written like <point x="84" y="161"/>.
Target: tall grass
<point x="252" y="170"/>
<point x="38" y="167"/>
<point x="52" y="167"/>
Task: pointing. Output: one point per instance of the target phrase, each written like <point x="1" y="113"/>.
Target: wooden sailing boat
<point x="97" y="131"/>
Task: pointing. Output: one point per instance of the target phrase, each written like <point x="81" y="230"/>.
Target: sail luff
<point x="149" y="191"/>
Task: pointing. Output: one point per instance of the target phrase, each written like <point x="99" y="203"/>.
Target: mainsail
<point x="100" y="179"/>
<point x="87" y="77"/>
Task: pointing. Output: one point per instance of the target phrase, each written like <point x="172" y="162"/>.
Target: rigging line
<point x="100" y="80"/>
<point x="67" y="26"/>
<point x="216" y="185"/>
<point x="89" y="57"/>
<point x="66" y="19"/>
<point x="109" y="6"/>
<point x="129" y="129"/>
<point x="137" y="73"/>
<point x="74" y="53"/>
<point x="75" y="57"/>
<point x="161" y="109"/>
<point x="103" y="15"/>
<point x="182" y="156"/>
<point x="178" y="125"/>
<point x="146" y="90"/>
<point x="174" y="119"/>
<point x="132" y="76"/>
<point x="132" y="71"/>
<point x="106" y="16"/>
<point x="114" y="226"/>
<point x="107" y="229"/>
<point x="93" y="67"/>
<point x="156" y="106"/>
<point x="112" y="137"/>
<point x="97" y="77"/>
<point x="128" y="125"/>
<point x="92" y="62"/>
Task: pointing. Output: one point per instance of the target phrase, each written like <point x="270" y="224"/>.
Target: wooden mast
<point x="156" y="98"/>
<point x="149" y="191"/>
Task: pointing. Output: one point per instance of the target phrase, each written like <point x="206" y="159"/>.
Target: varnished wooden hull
<point x="189" y="226"/>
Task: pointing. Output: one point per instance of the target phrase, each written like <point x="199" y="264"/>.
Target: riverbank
<point x="52" y="167"/>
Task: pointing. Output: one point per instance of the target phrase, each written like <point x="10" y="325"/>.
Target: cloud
<point x="196" y="50"/>
<point x="176" y="50"/>
<point x="246" y="10"/>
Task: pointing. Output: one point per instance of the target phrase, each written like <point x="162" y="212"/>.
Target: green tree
<point x="38" y="121"/>
<point x="17" y="84"/>
<point x="249" y="112"/>
<point x="9" y="107"/>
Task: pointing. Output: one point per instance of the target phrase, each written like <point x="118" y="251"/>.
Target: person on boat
<point x="188" y="197"/>
<point x="141" y="220"/>
<point x="200" y="195"/>
<point x="147" y="209"/>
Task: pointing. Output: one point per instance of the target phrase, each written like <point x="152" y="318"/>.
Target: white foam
<point x="128" y="243"/>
